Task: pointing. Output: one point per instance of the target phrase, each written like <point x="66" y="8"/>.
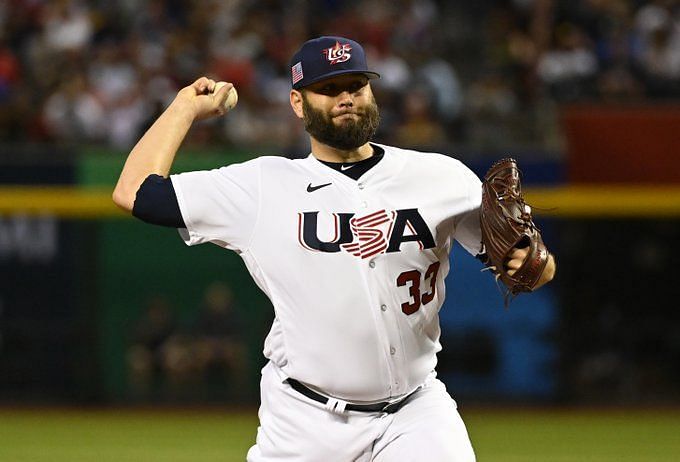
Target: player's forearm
<point x="155" y="151"/>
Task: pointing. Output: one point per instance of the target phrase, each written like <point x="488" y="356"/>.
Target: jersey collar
<point x="388" y="166"/>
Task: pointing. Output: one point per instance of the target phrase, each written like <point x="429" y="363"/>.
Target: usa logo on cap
<point x="338" y="53"/>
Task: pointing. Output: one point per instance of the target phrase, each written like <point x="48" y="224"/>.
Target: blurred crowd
<point x="483" y="74"/>
<point x="198" y="359"/>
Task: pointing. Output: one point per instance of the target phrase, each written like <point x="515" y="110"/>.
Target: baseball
<point x="232" y="98"/>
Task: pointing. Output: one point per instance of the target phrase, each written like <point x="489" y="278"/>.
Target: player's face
<point x="341" y="112"/>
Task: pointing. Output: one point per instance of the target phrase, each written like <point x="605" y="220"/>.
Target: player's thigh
<point x="428" y="428"/>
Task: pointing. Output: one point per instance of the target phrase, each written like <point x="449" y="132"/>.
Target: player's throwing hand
<point x="203" y="100"/>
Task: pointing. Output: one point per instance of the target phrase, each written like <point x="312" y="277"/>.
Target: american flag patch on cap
<point x="296" y="72"/>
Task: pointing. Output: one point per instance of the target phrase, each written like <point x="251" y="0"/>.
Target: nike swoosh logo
<point x="311" y="188"/>
<point x="346" y="167"/>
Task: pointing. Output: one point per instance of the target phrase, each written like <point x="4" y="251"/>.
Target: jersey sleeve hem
<point x="478" y="250"/>
<point x="472" y="183"/>
<point x="188" y="235"/>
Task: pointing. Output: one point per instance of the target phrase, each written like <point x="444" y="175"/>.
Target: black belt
<point x="389" y="408"/>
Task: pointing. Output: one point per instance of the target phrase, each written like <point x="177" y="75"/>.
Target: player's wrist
<point x="184" y="107"/>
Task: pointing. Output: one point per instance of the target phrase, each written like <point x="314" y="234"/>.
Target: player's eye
<point x="356" y="86"/>
<point x="329" y="89"/>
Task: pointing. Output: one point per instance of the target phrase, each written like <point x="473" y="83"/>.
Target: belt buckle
<point x="391" y="408"/>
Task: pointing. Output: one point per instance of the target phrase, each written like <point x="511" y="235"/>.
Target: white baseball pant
<point x="296" y="428"/>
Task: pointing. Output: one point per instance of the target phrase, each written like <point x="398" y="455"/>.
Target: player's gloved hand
<point x="513" y="246"/>
<point x="515" y="260"/>
<point x="202" y="100"/>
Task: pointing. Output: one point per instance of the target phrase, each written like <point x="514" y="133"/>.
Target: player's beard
<point x="350" y="134"/>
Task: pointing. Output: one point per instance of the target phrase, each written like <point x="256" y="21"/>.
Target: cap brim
<point x="369" y="74"/>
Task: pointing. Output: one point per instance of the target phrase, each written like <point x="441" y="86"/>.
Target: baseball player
<point x="351" y="244"/>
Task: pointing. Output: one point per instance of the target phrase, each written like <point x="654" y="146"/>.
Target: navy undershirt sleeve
<point x="156" y="203"/>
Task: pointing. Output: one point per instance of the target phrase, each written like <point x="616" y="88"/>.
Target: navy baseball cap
<point x="325" y="57"/>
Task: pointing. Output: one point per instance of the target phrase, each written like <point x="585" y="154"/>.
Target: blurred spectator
<point x="619" y="84"/>
<point x="492" y="104"/>
<point x="111" y="72"/>
<point x="147" y="357"/>
<point x="395" y="73"/>
<point x="67" y="25"/>
<point x="9" y="71"/>
<point x="218" y="345"/>
<point x="446" y="96"/>
<point x="74" y="113"/>
<point x="660" y="55"/>
<point x="127" y="116"/>
<point x="9" y="78"/>
<point x="569" y="67"/>
<point x="419" y="127"/>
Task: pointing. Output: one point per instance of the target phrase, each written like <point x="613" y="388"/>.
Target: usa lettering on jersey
<point x="366" y="236"/>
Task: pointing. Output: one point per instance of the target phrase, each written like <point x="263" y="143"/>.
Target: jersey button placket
<point x="363" y="204"/>
<point x="388" y="334"/>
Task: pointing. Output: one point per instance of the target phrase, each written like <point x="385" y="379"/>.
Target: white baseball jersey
<point x="354" y="268"/>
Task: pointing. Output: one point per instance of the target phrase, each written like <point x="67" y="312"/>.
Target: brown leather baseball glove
<point x="506" y="225"/>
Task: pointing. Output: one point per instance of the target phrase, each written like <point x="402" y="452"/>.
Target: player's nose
<point x="345" y="99"/>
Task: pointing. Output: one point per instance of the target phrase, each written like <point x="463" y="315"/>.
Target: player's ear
<point x="296" y="103"/>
